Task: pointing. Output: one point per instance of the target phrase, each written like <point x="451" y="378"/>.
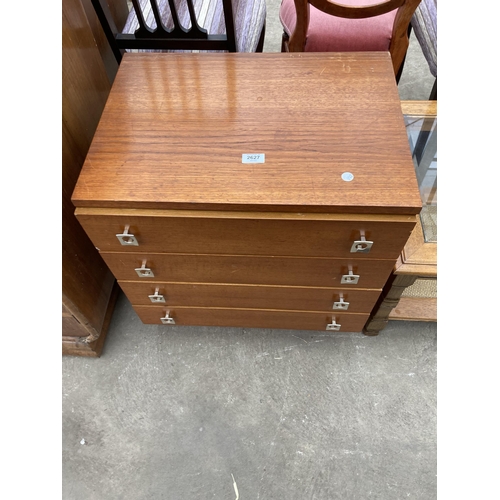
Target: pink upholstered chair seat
<point x="334" y="34"/>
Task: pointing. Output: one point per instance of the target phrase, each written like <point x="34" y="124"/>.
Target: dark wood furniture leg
<point x="260" y="46"/>
<point x="434" y="91"/>
<point x="388" y="301"/>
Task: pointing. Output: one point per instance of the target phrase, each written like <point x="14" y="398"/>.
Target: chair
<point x="424" y="22"/>
<point x="186" y="25"/>
<point x="350" y="26"/>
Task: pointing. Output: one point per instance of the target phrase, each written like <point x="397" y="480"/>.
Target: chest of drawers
<point x="251" y="190"/>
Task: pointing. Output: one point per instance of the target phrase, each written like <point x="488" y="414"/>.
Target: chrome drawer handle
<point x="341" y="304"/>
<point x="127" y="239"/>
<point x="362" y="245"/>
<point x="143" y="271"/>
<point x="349" y="279"/>
<point x="167" y="319"/>
<point x="333" y="325"/>
<point x="157" y="298"/>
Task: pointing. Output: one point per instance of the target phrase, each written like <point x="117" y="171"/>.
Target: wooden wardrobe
<point x="89" y="289"/>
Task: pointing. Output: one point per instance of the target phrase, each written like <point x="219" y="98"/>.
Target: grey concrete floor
<point x="229" y="413"/>
<point x="177" y="413"/>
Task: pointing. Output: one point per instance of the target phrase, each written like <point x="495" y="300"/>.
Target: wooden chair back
<point x="169" y="34"/>
<point x="399" y="40"/>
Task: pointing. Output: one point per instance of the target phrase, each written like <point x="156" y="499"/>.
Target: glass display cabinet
<point x="411" y="291"/>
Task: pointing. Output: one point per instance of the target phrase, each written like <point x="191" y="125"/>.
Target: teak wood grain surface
<point x="231" y="243"/>
<point x="315" y="235"/>
<point x="252" y="318"/>
<point x="175" y="128"/>
<point x="263" y="270"/>
<point x="249" y="296"/>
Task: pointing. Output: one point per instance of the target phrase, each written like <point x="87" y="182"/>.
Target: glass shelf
<point x="422" y="135"/>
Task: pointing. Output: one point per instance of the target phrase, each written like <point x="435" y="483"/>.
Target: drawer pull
<point x="333" y="325"/>
<point x="349" y="279"/>
<point x="362" y="245"/>
<point x="157" y="298"/>
<point x="341" y="304"/>
<point x="127" y="239"/>
<point x="167" y="320"/>
<point x="144" y="272"/>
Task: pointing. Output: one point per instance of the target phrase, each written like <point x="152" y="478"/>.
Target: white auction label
<point x="253" y="158"/>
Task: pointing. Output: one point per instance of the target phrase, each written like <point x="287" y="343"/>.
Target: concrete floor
<point x="183" y="413"/>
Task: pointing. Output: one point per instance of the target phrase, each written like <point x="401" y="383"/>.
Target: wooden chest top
<point x="176" y="127"/>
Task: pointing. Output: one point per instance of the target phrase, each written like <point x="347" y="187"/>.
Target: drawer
<point x="252" y="318"/>
<point x="249" y="296"/>
<point x="250" y="270"/>
<point x="308" y="235"/>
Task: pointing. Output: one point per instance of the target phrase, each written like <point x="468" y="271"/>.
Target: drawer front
<point x="239" y="236"/>
<point x="249" y="296"/>
<point x="250" y="270"/>
<point x="252" y="318"/>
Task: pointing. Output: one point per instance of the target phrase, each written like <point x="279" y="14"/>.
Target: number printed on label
<point x="253" y="158"/>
